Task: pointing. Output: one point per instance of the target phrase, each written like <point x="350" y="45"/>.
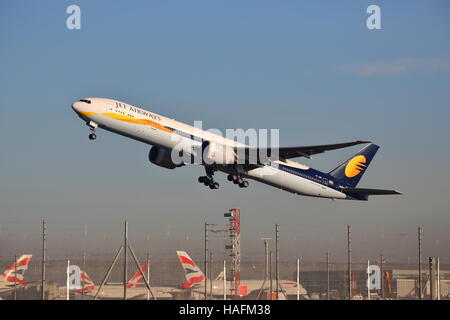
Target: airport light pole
<point x="266" y="261"/>
<point x="266" y="256"/>
<point x="420" y="262"/>
<point x="270" y="273"/>
<point x="430" y="265"/>
<point x="438" y="279"/>
<point x="206" y="257"/>
<point x="298" y="279"/>
<point x="382" y="276"/>
<point x="277" y="269"/>
<point x="211" y="273"/>
<point x="15" y="277"/>
<point x="148" y="274"/>
<point x="82" y="278"/>
<point x="368" y="280"/>
<point x="44" y="231"/>
<point x="224" y="280"/>
<point x="328" y="276"/>
<point x="125" y="246"/>
<point x="349" y="257"/>
<point x="67" y="280"/>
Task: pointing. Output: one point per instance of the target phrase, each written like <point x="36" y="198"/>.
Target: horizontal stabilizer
<point x="368" y="192"/>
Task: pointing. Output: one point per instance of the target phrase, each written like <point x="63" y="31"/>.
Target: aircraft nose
<point x="76" y="106"/>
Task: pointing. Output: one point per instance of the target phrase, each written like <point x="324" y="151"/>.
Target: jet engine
<point x="162" y="157"/>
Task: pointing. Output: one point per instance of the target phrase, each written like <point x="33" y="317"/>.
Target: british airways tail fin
<point x="89" y="285"/>
<point x="136" y="279"/>
<point x="15" y="272"/>
<point x="351" y="171"/>
<point x="193" y="273"/>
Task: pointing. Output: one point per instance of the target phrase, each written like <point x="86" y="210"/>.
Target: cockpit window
<point x="84" y="100"/>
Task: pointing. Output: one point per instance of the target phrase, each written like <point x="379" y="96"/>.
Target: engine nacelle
<point x="215" y="153"/>
<point x="162" y="157"/>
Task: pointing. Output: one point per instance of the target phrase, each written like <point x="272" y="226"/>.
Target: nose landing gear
<point x="92" y="126"/>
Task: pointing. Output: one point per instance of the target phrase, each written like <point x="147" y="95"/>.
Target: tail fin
<point x="88" y="283"/>
<point x="193" y="273"/>
<point x="351" y="171"/>
<point x="10" y="275"/>
<point x="136" y="278"/>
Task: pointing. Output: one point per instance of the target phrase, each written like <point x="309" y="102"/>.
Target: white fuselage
<point x="141" y="292"/>
<point x="157" y="130"/>
<point x="248" y="287"/>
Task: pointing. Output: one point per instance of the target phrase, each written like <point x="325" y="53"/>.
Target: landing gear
<point x="238" y="180"/>
<point x="208" y="180"/>
<point x="214" y="185"/>
<point x="92" y="126"/>
<point x="244" y="184"/>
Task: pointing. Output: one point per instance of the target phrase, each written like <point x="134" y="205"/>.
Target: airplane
<point x="175" y="144"/>
<point x="135" y="290"/>
<point x="9" y="277"/>
<point x="196" y="282"/>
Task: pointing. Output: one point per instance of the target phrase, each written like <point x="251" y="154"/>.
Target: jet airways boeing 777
<point x="169" y="137"/>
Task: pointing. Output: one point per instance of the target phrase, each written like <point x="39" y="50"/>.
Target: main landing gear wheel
<point x="92" y="136"/>
<point x="238" y="180"/>
<point x="208" y="180"/>
<point x="234" y="178"/>
<point x="244" y="184"/>
<point x="214" y="185"/>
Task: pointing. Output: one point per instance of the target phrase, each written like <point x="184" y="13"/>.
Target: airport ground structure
<point x="176" y="275"/>
<point x="403" y="281"/>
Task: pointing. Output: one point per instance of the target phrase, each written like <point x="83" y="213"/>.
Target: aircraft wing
<point x="293" y="152"/>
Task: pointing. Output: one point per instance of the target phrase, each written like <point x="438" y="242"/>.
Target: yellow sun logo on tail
<point x="355" y="166"/>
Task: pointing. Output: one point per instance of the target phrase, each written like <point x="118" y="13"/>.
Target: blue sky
<point x="300" y="66"/>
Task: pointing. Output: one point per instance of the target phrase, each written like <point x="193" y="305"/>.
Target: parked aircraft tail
<point x="136" y="279"/>
<point x="88" y="283"/>
<point x="16" y="271"/>
<point x="193" y="273"/>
